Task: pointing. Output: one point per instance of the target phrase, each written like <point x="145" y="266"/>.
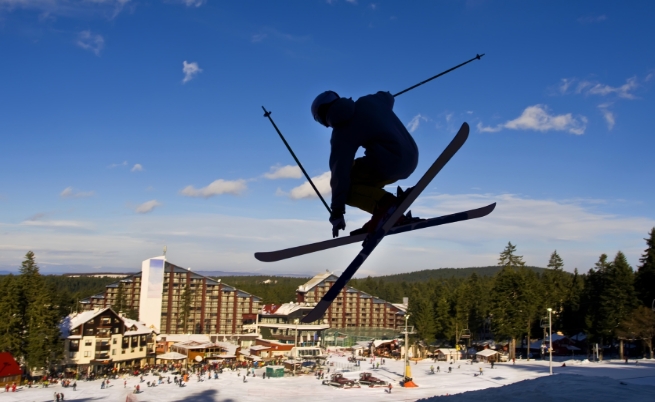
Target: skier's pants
<point x="366" y="186"/>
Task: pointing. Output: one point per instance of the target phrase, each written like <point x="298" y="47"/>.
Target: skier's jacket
<point x="390" y="151"/>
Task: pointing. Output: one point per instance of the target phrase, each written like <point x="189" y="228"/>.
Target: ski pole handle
<point x="268" y="114"/>
<point x="477" y="57"/>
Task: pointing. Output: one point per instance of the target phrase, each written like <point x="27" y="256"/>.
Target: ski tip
<point x="263" y="257"/>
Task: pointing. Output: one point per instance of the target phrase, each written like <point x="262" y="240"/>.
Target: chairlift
<point x="466" y="334"/>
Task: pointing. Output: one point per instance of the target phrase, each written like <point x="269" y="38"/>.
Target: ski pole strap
<point x="268" y="114"/>
<point x="477" y="57"/>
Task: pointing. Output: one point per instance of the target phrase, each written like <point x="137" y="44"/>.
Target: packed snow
<point x="578" y="381"/>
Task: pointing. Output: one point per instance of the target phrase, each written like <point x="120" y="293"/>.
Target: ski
<point x="279" y="255"/>
<point x="372" y="240"/>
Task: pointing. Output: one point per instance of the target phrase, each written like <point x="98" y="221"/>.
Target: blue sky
<point x="128" y="125"/>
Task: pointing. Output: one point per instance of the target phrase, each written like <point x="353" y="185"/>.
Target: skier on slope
<point x="390" y="154"/>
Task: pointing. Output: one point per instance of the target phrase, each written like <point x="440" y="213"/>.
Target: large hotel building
<point x="175" y="300"/>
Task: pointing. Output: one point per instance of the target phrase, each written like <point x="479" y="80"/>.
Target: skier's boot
<point x="385" y="208"/>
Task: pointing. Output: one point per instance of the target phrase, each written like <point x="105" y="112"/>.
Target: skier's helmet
<point x="321" y="105"/>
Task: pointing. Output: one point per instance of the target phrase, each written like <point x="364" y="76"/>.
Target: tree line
<point x="610" y="302"/>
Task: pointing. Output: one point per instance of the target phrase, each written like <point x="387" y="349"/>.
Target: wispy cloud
<point x="217" y="187"/>
<point x="68" y="192"/>
<point x="190" y="70"/>
<point x="137" y="168"/>
<point x="305" y="190"/>
<point x="147" y="207"/>
<point x="415" y="122"/>
<point x="115" y="165"/>
<point x="586" y="87"/>
<point x="38" y="220"/>
<point x="608" y="115"/>
<point x="268" y="32"/>
<point x="193" y="3"/>
<point x="49" y="8"/>
<point x="591" y="19"/>
<point x="284" y="172"/>
<point x="538" y="118"/>
<point x="622" y="91"/>
<point x="90" y="41"/>
<point x="577" y="229"/>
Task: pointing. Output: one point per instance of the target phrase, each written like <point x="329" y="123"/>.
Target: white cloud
<point x="608" y="115"/>
<point x="137" y="168"/>
<point x="623" y="91"/>
<point x="114" y="165"/>
<point x="50" y="8"/>
<point x="537" y="118"/>
<point x="217" y="187"/>
<point x="585" y="87"/>
<point x="373" y="6"/>
<point x="305" y="190"/>
<point x="55" y="224"/>
<point x="193" y="3"/>
<point x="147" y="206"/>
<point x="414" y="123"/>
<point x="351" y="1"/>
<point x="284" y="172"/>
<point x="565" y="84"/>
<point x="69" y="193"/>
<point x="575" y="228"/>
<point x="190" y="70"/>
<point x="89" y="41"/>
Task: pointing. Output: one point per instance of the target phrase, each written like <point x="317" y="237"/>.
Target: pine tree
<point x="609" y="296"/>
<point x="422" y="316"/>
<point x="645" y="278"/>
<point x="555" y="287"/>
<point x="572" y="317"/>
<point x="44" y="346"/>
<point x="511" y="298"/>
<point x="40" y="343"/>
<point x="640" y="324"/>
<point x="10" y="324"/>
<point x="508" y="259"/>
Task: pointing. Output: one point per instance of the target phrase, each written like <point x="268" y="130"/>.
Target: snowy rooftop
<point x="74" y="320"/>
<point x="135" y="327"/>
<point x="309" y="285"/>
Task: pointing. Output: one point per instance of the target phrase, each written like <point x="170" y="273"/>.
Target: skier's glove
<point x="338" y="222"/>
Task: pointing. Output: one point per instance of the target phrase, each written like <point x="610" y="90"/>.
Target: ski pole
<point x="268" y="114"/>
<point x="477" y="57"/>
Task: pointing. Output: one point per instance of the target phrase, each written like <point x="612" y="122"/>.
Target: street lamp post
<point x="550" y="338"/>
<point x="295" y="347"/>
<point x="406" y="341"/>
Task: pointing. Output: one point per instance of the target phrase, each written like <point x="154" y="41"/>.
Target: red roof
<point x="8" y="366"/>
<point x="270" y="308"/>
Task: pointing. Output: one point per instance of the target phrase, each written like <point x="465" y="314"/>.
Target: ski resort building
<point x="353" y="316"/>
<point x="175" y="300"/>
<point x="352" y="308"/>
<point x="100" y="339"/>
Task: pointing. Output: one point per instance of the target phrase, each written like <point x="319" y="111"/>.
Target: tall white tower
<point x="152" y="287"/>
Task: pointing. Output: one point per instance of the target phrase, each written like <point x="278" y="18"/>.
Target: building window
<point x="71" y="355"/>
<point x="113" y="351"/>
<point x="87" y="354"/>
<point x="113" y="341"/>
<point x="88" y="343"/>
